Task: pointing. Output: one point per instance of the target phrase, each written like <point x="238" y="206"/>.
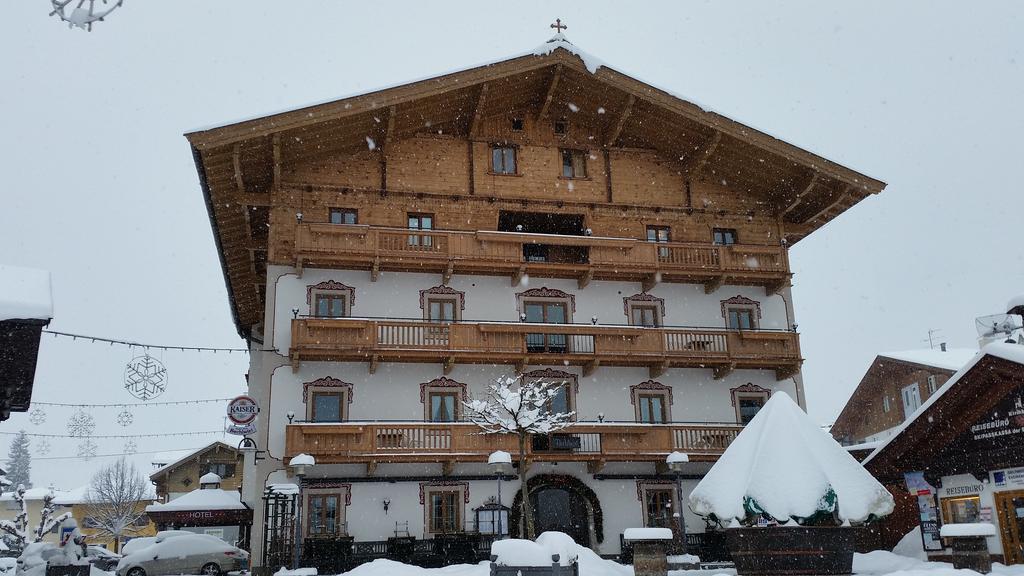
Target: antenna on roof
<point x="932" y="337"/>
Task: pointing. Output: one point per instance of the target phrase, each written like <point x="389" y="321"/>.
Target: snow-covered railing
<point x="351" y="442"/>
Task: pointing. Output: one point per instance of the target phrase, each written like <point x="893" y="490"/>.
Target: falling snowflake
<point x="125" y="417"/>
<point x="81" y="424"/>
<point x="145" y="377"/>
<point x="87" y="449"/>
<point x="37" y="416"/>
<point x="42" y="447"/>
<point x="130" y="447"/>
<point x="574" y="107"/>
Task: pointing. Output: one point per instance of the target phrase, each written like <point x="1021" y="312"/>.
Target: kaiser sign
<point x="243" y="410"/>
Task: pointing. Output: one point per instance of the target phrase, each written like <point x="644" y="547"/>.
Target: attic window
<point x="561" y="127"/>
<point x="517" y="124"/>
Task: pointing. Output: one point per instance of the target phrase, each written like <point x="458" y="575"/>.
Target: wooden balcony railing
<point x="547" y="255"/>
<point x="382" y="442"/>
<point x="354" y="339"/>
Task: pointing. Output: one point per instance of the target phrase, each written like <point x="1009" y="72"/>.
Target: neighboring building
<point x="966" y="445"/>
<point x="894" y="386"/>
<point x="390" y="254"/>
<point x="207" y="510"/>
<point x="9" y="508"/>
<point x="78" y="501"/>
<point x="180" y="476"/>
<point x="26" y="307"/>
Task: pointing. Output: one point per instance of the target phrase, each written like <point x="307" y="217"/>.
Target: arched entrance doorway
<point x="562" y="504"/>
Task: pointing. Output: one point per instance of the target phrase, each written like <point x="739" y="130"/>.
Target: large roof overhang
<point x="239" y="163"/>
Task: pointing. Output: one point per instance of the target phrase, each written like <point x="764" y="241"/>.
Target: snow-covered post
<point x="47" y="520"/>
<point x="513" y="405"/>
<point x="16" y="533"/>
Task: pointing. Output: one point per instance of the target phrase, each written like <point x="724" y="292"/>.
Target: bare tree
<point x="516" y="406"/>
<point x="114" y="501"/>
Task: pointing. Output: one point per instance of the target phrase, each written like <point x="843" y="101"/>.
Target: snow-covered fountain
<point x="790" y="495"/>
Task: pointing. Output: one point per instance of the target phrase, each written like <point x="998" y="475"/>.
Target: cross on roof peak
<point x="558" y="26"/>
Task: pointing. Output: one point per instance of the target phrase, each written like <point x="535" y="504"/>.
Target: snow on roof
<point x="1015" y="302"/>
<point x="634" y="534"/>
<point x="499" y="457"/>
<point x="33" y="494"/>
<point x="25" y="294"/>
<point x="1011" y="352"/>
<point x="80" y="495"/>
<point x="783" y="447"/>
<point x="209" y="478"/>
<point x="952" y="359"/>
<point x="560" y="41"/>
<point x="182" y="456"/>
<point x="302" y="460"/>
<point x="967" y="529"/>
<point x="209" y="499"/>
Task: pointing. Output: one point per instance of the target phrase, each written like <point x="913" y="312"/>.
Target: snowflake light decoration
<point x="42" y="447"/>
<point x="84" y="12"/>
<point x="145" y="377"/>
<point x="37" y="416"/>
<point x="87" y="449"/>
<point x="130" y="447"/>
<point x="81" y="424"/>
<point x="125" y="417"/>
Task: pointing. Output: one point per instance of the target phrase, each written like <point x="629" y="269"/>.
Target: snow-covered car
<point x="102" y="558"/>
<point x="34" y="557"/>
<point x="136" y="544"/>
<point x="184" y="554"/>
<point x="8" y="565"/>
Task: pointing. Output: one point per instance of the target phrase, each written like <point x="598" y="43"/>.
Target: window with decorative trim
<point x="568" y="387"/>
<point x="344" y="216"/>
<point x="330" y="299"/>
<point x="546" y="306"/>
<point x="741" y="313"/>
<point x="443" y="399"/>
<point x="327" y="400"/>
<point x="444" y="506"/>
<point x="748" y="400"/>
<point x="503" y="159"/>
<point x="574" y="163"/>
<point x="652" y="402"/>
<point x="659" y="503"/>
<point x="442" y="304"/>
<point x="644" y="310"/>
<point x="325" y="510"/>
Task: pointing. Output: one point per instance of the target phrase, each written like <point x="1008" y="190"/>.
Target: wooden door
<point x="1010" y="507"/>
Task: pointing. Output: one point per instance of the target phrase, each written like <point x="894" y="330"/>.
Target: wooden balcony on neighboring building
<point x="373" y="443"/>
<point x="522" y="344"/>
<point x="515" y="254"/>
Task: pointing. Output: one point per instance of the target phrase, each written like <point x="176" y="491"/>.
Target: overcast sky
<point x="99" y="185"/>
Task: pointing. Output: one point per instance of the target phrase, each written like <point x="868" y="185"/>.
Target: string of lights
<point x="120" y="436"/>
<point x="131" y="344"/>
<point x="111" y="455"/>
<point x="133" y="404"/>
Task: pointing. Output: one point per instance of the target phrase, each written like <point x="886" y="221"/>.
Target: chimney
<point x="942" y="346"/>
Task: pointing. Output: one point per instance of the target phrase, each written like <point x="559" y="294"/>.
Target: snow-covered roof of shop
<point x="182" y="456"/>
<point x="33" y="494"/>
<point x="782" y="446"/>
<point x="950" y="359"/>
<point x="207" y="499"/>
<point x="25" y="294"/>
<point x="1011" y="352"/>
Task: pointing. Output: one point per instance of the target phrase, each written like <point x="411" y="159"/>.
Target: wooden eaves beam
<point x="842" y="196"/>
<point x="550" y="93"/>
<point x="800" y="196"/>
<point x="236" y="159"/>
<point x="474" y="125"/>
<point x="626" y="111"/>
<point x="694" y="165"/>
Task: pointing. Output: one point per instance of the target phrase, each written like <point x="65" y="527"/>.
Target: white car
<point x="184" y="554"/>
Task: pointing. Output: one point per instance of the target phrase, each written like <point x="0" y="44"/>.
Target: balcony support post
<point x="447" y="467"/>
<point x="774" y="287"/>
<point x="656" y="370"/>
<point x="446" y="276"/>
<point x="585" y="279"/>
<point x="787" y="372"/>
<point x="517" y="276"/>
<point x="374" y="362"/>
<point x="713" y="284"/>
<point x="375" y="271"/>
<point x="720" y="372"/>
<point x="595" y="466"/>
<point x="449" y="365"/>
<point x="521" y="365"/>
<point x="371" y="467"/>
<point x="295" y="363"/>
<point x="591" y="367"/>
<point x="298" y="266"/>
<point x="649" y="282"/>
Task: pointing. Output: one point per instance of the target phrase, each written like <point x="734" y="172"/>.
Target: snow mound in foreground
<point x="910" y="546"/>
<point x="788" y="466"/>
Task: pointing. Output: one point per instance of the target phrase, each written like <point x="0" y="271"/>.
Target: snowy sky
<point x="99" y="185"/>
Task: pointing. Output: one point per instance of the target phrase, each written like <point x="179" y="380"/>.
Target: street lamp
<point x="501" y="463"/>
<point x="676" y="461"/>
<point x="300" y="467"/>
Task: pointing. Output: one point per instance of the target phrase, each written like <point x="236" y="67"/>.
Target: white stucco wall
<point x="491" y="298"/>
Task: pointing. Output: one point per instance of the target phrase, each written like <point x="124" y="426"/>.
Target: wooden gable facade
<point x="651" y="160"/>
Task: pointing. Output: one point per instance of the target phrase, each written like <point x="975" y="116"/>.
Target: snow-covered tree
<point x="114" y="500"/>
<point x="19" y="461"/>
<point x="17" y="534"/>
<point x="520" y="407"/>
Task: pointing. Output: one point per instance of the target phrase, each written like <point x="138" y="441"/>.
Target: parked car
<point x="102" y="558"/>
<point x="136" y="544"/>
<point x="184" y="554"/>
<point x="34" y="557"/>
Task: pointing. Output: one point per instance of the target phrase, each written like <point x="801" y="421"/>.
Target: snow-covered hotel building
<point x="390" y="254"/>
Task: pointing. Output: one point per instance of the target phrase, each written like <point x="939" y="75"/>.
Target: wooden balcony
<point x="521" y="344"/>
<point x="373" y="443"/>
<point x="584" y="258"/>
